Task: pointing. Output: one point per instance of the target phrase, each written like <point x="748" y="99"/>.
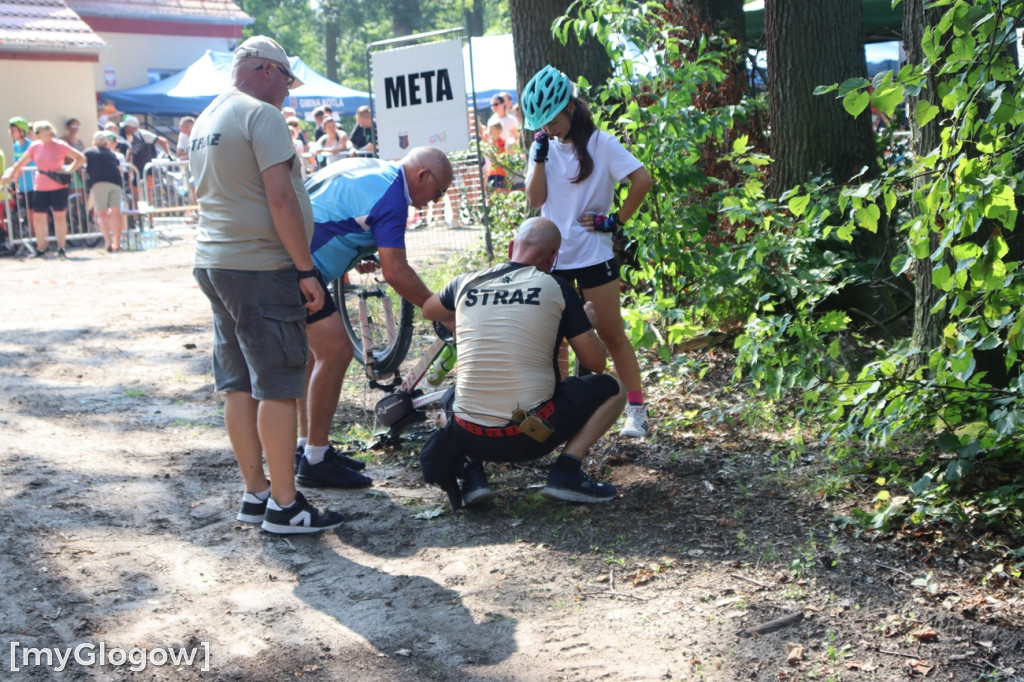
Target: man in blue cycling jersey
<point x="360" y="206"/>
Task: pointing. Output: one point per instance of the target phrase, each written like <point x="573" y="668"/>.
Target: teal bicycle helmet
<point x="546" y="94"/>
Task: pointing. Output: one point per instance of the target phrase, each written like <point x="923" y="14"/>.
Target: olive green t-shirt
<point x="233" y="141"/>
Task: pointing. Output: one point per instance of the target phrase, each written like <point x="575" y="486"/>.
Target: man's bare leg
<point x="603" y="419"/>
<point x="276" y="423"/>
<point x="332" y="353"/>
<point x="240" y="418"/>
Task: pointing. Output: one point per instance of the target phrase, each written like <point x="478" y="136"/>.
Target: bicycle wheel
<point x="388" y="320"/>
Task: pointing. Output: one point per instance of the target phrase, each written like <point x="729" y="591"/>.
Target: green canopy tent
<point x="882" y="22"/>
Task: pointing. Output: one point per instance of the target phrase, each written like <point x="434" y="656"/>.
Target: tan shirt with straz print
<point x="509" y="321"/>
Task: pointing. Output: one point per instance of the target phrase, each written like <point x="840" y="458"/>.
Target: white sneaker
<point x="636" y="422"/>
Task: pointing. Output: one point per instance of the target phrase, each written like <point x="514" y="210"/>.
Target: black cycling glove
<point x="540" y="148"/>
<point x="607" y="223"/>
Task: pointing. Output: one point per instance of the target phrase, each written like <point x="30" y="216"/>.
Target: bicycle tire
<point x="391" y="333"/>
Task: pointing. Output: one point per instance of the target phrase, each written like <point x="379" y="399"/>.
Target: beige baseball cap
<point x="262" y="47"/>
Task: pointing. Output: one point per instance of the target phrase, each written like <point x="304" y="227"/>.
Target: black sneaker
<point x="253" y="509"/>
<point x="576" y="487"/>
<point x="40" y="253"/>
<point x="61" y="254"/>
<point x="330" y="473"/>
<point x="356" y="464"/>
<point x="301" y="517"/>
<point x="475" y="490"/>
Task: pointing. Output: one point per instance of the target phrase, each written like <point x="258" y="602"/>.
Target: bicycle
<point x="380" y="325"/>
<point x="378" y="322"/>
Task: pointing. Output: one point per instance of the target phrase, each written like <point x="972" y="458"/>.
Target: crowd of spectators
<point x="122" y="139"/>
<point x="41" y="189"/>
<point x="329" y="142"/>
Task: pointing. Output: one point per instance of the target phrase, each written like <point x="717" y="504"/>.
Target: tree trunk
<point x="475" y="18"/>
<point x="927" y="332"/>
<point x="723" y="16"/>
<point x="810" y="43"/>
<point x="405" y="17"/>
<point x="332" y="29"/>
<point x="535" y="46"/>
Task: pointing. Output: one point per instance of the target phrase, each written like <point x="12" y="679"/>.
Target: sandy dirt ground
<point x="119" y="495"/>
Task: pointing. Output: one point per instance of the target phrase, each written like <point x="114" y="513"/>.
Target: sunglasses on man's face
<point x="289" y="79"/>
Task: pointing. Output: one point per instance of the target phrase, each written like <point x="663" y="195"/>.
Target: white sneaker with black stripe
<point x="301" y="517"/>
<point x="636" y="422"/>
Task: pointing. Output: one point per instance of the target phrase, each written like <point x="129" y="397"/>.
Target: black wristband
<point x="306" y="274"/>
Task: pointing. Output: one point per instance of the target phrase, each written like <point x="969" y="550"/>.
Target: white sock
<point x="302" y="442"/>
<point x="272" y="505"/>
<point x="315" y="453"/>
<point x="256" y="498"/>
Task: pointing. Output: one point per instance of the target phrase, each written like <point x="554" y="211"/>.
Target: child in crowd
<point x="497" y="178"/>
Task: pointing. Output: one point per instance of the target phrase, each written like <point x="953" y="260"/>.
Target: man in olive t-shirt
<point x="253" y="263"/>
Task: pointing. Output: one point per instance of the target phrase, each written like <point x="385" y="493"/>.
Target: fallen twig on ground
<point x="777" y="624"/>
<point x="749" y="580"/>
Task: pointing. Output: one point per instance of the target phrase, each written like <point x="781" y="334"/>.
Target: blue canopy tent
<point x="191" y="90"/>
<point x="316" y="90"/>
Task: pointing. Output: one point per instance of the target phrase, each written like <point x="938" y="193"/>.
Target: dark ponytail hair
<point x="581" y="127"/>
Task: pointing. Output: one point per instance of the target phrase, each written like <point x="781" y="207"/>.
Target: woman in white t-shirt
<point x="572" y="175"/>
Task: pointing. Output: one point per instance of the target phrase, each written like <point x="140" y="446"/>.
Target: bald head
<point x="536" y="244"/>
<point x="428" y="174"/>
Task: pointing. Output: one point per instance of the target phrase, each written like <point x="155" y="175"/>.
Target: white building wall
<point x="44" y="90"/>
<point x="130" y="56"/>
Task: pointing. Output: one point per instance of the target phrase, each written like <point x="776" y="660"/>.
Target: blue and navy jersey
<point x="352" y="196"/>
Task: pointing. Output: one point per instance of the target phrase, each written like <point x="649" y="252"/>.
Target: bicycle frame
<point x="364" y="329"/>
<point x="404" y="402"/>
<point x="422" y="367"/>
<point x="379" y="326"/>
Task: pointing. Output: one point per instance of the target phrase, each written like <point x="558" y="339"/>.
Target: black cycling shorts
<point x="591" y="276"/>
<point x="329" y="307"/>
<point x="576" y="399"/>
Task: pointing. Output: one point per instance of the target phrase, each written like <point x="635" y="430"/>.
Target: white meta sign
<point x="420" y="98"/>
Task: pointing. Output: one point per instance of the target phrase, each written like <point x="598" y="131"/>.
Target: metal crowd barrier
<point x="453" y="225"/>
<point x="17" y="220"/>
<point x="167" y="190"/>
<point x="162" y="199"/>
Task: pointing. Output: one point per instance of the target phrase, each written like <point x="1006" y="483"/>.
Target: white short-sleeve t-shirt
<point x="233" y="141"/>
<point x="182" y="143"/>
<point x="566" y="201"/>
